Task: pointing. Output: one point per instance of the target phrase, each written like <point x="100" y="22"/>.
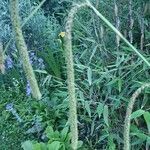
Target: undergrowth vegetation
<point x="107" y="74"/>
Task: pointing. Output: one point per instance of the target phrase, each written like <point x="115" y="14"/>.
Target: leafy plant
<point x="56" y="141"/>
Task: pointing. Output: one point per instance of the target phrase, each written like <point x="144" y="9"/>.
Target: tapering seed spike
<point x="128" y="115"/>
<point x="22" y="48"/>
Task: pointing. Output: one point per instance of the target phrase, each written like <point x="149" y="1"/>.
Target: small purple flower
<point x="28" y="89"/>
<point x="9" y="107"/>
<point x="9" y="62"/>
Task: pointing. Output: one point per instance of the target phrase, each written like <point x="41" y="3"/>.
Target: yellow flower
<point x="62" y="34"/>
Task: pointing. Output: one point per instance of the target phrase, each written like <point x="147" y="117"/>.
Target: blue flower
<point x="32" y="57"/>
<point x="41" y="63"/>
<point x="35" y="61"/>
<point x="9" y="62"/>
<point x="40" y="60"/>
<point x="9" y="107"/>
<point x="32" y="54"/>
<point x="28" y="89"/>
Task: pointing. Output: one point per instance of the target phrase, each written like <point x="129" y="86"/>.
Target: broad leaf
<point x="54" y="145"/>
<point x="27" y="145"/>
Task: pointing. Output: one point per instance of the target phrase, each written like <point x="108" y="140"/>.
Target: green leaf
<point x="49" y="132"/>
<point x="80" y="143"/>
<point x="64" y="133"/>
<point x="126" y="49"/>
<point x="103" y="137"/>
<point x="140" y="135"/>
<point x="93" y="53"/>
<point x="105" y="115"/>
<point x="56" y="135"/>
<point x="148" y="141"/>
<point x="39" y="146"/>
<point x="87" y="107"/>
<point x="27" y="145"/>
<point x="111" y="143"/>
<point x="112" y="82"/>
<point x="54" y="145"/>
<point x="147" y="119"/>
<point x="81" y="96"/>
<point x="43" y="146"/>
<point x="36" y="146"/>
<point x="99" y="109"/>
<point x="137" y="114"/>
<point x="41" y="71"/>
<point x="89" y="75"/>
<point x="119" y="85"/>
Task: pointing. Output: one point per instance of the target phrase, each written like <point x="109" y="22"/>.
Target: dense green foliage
<point x="106" y="76"/>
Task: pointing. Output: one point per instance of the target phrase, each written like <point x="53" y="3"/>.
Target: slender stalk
<point x="22" y="48"/>
<point x="128" y="115"/>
